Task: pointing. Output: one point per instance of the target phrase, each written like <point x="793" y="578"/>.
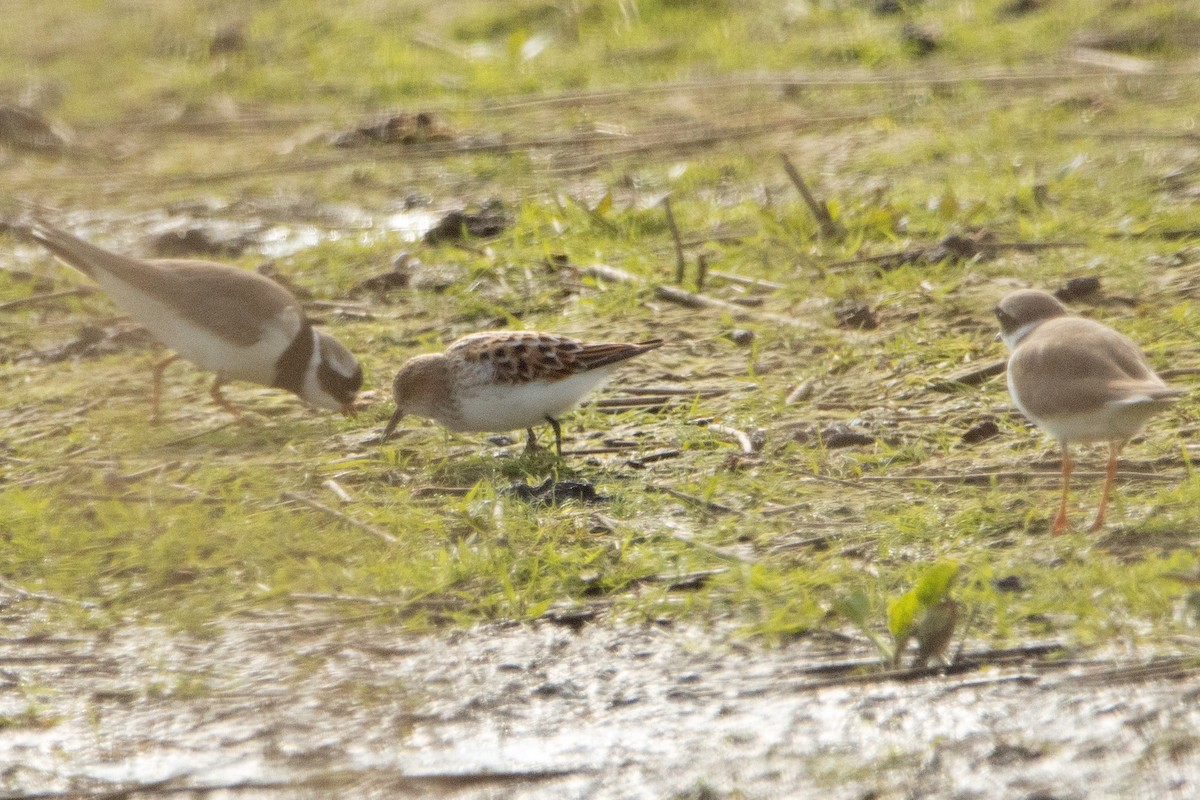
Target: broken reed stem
<point x="743" y="439"/>
<point x="45" y="597"/>
<point x="324" y="509"/>
<point x="819" y="210"/>
<point x="674" y="294"/>
<point x="38" y="299"/>
<point x="680" y="263"/>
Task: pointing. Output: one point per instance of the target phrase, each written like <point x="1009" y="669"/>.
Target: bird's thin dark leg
<point x="557" y="435"/>
<point x="530" y="443"/>
<point x="156" y="391"/>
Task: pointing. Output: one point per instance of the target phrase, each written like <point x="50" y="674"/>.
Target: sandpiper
<point x="504" y="380"/>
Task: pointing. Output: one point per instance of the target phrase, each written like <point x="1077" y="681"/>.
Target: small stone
<point x="1078" y="289"/>
<point x="856" y="316"/>
<point x="741" y="337"/>
<point x="981" y="431"/>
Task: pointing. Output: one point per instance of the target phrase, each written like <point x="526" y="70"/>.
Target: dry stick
<point x="38" y="299"/>
<point x="828" y="227"/>
<point x="701" y="271"/>
<point x="1179" y="372"/>
<point x="916" y="252"/>
<point x="692" y="300"/>
<point x="337" y="489"/>
<point x="714" y="391"/>
<point x="742" y="437"/>
<point x="680" y="263"/>
<point x="986" y="477"/>
<point x="44" y="597"/>
<point x="972" y="378"/>
<point x="190" y="437"/>
<point x="844" y="78"/>
<point x="324" y="509"/>
<point x="742" y="280"/>
<point x="692" y="500"/>
<point x="719" y="552"/>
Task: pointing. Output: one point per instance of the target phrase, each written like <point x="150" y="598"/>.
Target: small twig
<point x="324" y="509"/>
<point x="689" y="299"/>
<point x="701" y="271"/>
<point x="743" y="439"/>
<point x="43" y="596"/>
<point x="756" y="283"/>
<point x="913" y="253"/>
<point x="90" y="497"/>
<point x="337" y="489"/>
<point x="692" y="500"/>
<point x="972" y="378"/>
<point x="735" y="310"/>
<point x="719" y="552"/>
<point x="1179" y="372"/>
<point x="680" y="263"/>
<point x="657" y="455"/>
<point x="38" y="299"/>
<point x="714" y="391"/>
<point x="819" y="210"/>
<point x="206" y="432"/>
<point x="421" y="602"/>
<point x="987" y="477"/>
<point x="433" y="491"/>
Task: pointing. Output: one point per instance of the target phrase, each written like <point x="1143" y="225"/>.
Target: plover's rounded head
<point x="338" y="376"/>
<point x="1022" y="311"/>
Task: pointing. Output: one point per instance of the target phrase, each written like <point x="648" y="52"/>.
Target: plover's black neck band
<point x="292" y="366"/>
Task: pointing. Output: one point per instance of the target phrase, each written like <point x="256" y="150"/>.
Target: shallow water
<point x="272" y="709"/>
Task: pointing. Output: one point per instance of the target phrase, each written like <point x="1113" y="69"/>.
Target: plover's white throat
<point x="238" y="324"/>
<point x="1078" y="380"/>
<point x="505" y="380"/>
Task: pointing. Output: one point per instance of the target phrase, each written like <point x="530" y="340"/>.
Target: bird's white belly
<point x="501" y="407"/>
<point x="1113" y="422"/>
<point x="195" y="343"/>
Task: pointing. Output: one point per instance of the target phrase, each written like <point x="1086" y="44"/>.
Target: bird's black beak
<point x="392" y="423"/>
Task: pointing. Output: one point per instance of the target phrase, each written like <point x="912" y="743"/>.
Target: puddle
<point x="542" y="712"/>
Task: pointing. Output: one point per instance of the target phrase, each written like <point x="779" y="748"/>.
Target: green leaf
<point x="901" y="612"/>
<point x="934" y="583"/>
<point x="854" y="607"/>
<point x="605" y="205"/>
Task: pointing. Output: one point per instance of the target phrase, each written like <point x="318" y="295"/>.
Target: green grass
<point x="185" y="523"/>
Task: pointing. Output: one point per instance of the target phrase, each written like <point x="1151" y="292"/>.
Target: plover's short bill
<point x="505" y="380"/>
<point x="238" y="324"/>
<point x="1078" y="380"/>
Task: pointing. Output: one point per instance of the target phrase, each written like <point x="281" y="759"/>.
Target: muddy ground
<point x="273" y="708"/>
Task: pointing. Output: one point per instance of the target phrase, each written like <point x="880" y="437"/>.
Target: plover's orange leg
<point x="1060" y="522"/>
<point x="1114" y="449"/>
<point x="156" y="391"/>
<point x="220" y="400"/>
